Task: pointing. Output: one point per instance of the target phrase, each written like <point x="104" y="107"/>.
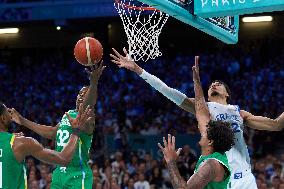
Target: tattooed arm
<point x="201" y="109"/>
<point x="198" y="180"/>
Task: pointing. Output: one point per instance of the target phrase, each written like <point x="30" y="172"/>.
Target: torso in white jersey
<point x="238" y="156"/>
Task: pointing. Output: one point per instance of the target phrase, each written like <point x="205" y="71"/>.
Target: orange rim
<point x="135" y="7"/>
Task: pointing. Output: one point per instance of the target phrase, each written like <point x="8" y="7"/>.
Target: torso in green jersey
<point x="12" y="173"/>
<point x="221" y="158"/>
<point x="81" y="156"/>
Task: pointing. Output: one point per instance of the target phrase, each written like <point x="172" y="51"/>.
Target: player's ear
<point x="210" y="143"/>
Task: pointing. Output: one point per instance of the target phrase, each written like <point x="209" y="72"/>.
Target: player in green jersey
<point x="77" y="174"/>
<point x="212" y="170"/>
<point x="14" y="149"/>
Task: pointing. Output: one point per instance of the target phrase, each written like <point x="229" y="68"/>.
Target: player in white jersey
<point x="218" y="95"/>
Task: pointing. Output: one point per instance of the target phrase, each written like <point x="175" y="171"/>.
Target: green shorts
<point x="71" y="179"/>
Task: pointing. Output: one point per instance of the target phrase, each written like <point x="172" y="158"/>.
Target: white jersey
<point x="238" y="156"/>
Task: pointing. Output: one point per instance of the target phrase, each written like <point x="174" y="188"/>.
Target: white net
<point x="143" y="26"/>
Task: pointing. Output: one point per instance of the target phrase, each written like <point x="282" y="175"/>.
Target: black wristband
<point x="76" y="131"/>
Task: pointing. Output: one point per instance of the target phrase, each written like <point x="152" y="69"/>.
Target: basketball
<point x="88" y="51"/>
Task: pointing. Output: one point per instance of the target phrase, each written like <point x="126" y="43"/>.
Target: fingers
<point x="169" y="141"/>
<point x="69" y="117"/>
<point x="117" y="53"/>
<point x="173" y="142"/>
<point x="104" y="67"/>
<point x="178" y="151"/>
<point x="88" y="71"/>
<point x="116" y="62"/>
<point x="188" y="182"/>
<point x="80" y="110"/>
<point x="197" y="63"/>
<point x="125" y="51"/>
<point x="92" y="67"/>
<point x="101" y="64"/>
<point x="86" y="113"/>
<point x="165" y="142"/>
<point x="20" y="134"/>
<point x="161" y="147"/>
<point x="196" y="60"/>
<point x="114" y="57"/>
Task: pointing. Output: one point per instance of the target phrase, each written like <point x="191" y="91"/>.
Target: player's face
<point x="6" y="118"/>
<point x="217" y="89"/>
<point x="204" y="141"/>
<point x="81" y="96"/>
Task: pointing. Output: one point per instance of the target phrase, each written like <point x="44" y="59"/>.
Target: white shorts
<point x="242" y="180"/>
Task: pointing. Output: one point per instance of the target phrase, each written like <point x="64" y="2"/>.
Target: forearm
<point x="177" y="181"/>
<point x="68" y="151"/>
<point x="91" y="96"/>
<point x="201" y="109"/>
<point x="172" y="94"/>
<point x="262" y="123"/>
<point x="43" y="130"/>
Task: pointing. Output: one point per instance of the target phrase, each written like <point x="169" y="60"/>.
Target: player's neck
<point x="205" y="151"/>
<point x="218" y="99"/>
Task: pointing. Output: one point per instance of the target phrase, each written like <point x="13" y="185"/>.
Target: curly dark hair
<point x="221" y="134"/>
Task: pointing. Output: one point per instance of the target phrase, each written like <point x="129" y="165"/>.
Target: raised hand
<point x="16" y="116"/>
<point x="170" y="154"/>
<point x="195" y="70"/>
<point x="125" y="61"/>
<point x="82" y="118"/>
<point x="95" y="73"/>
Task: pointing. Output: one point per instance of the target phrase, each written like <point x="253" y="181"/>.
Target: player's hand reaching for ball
<point x="95" y="72"/>
<point x="170" y="154"/>
<point x="82" y="118"/>
<point x="16" y="116"/>
<point x="195" y="70"/>
<point x="125" y="61"/>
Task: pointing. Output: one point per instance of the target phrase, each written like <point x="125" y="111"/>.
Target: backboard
<point x="223" y="28"/>
<point x="212" y="8"/>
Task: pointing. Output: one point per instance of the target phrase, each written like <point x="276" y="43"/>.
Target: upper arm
<point x="204" y="175"/>
<point x="260" y="122"/>
<point x="34" y="148"/>
<point x="188" y="105"/>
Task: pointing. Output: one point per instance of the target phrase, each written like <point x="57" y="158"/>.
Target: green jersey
<point x="12" y="173"/>
<point x="81" y="156"/>
<point x="221" y="158"/>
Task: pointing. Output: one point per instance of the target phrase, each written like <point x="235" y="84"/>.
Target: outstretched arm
<point x="201" y="108"/>
<point x="174" y="95"/>
<point x="34" y="148"/>
<point x="30" y="146"/>
<point x="92" y="94"/>
<point x="94" y="76"/>
<point x="43" y="130"/>
<point x="263" y="123"/>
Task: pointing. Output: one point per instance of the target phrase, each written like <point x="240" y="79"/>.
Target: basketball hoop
<point x="143" y="25"/>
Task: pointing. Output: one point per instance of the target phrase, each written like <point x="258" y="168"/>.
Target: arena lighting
<point x="58" y="28"/>
<point x="9" y="30"/>
<point x="258" y="19"/>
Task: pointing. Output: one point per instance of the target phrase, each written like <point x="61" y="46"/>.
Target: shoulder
<point x="25" y="141"/>
<point x="212" y="163"/>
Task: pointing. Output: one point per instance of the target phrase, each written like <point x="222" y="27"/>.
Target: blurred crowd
<point x="42" y="84"/>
